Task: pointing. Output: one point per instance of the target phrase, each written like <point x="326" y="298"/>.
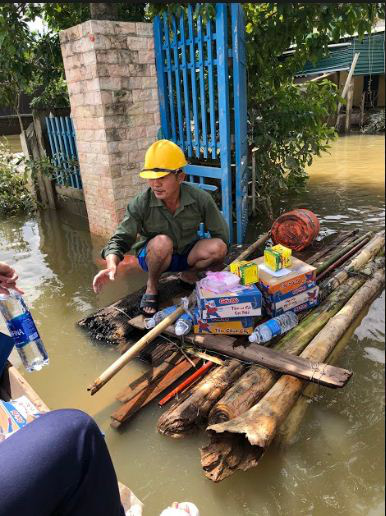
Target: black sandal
<point x="186" y="285"/>
<point x="149" y="301"/>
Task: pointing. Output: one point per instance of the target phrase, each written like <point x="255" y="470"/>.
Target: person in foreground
<point x="167" y="216"/>
<point x="59" y="464"/>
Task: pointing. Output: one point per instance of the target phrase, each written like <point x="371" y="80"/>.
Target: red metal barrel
<point x="296" y="229"/>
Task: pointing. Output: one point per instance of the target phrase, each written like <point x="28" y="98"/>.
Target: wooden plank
<point x="134" y="405"/>
<point x="317" y="372"/>
<point x="149" y="378"/>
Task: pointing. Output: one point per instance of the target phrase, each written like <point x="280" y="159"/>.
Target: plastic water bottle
<point x="183" y="325"/>
<point x="23" y="331"/>
<point x="151" y="322"/>
<point x="276" y="326"/>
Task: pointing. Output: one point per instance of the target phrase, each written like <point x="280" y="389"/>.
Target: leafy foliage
<point x="14" y="194"/>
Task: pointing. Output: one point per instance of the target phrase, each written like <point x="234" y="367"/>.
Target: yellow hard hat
<point x="162" y="158"/>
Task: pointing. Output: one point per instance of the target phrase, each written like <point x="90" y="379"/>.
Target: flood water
<point x="335" y="465"/>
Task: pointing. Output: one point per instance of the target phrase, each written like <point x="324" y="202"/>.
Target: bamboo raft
<point x="243" y="395"/>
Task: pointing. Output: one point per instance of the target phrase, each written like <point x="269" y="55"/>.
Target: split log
<point x="257" y="427"/>
<point x="144" y="397"/>
<point x="187" y="414"/>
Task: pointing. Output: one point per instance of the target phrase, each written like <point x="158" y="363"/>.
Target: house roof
<point x="371" y="57"/>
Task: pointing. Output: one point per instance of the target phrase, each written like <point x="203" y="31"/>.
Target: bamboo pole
<point x="261" y="422"/>
<point x="347" y="84"/>
<point x="157" y="330"/>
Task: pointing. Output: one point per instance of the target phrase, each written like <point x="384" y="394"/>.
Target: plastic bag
<point x="219" y="282"/>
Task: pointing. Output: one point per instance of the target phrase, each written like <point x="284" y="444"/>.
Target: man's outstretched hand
<point x="106" y="275"/>
<point x="8" y="278"/>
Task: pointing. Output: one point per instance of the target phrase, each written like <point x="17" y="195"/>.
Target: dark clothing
<point x="178" y="263"/>
<point x="58" y="465"/>
<point x="148" y="216"/>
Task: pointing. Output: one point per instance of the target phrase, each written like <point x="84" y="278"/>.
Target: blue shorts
<point x="178" y="263"/>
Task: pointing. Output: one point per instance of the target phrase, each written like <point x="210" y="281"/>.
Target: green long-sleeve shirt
<point x="148" y="217"/>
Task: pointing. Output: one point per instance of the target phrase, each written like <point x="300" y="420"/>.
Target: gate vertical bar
<point x="202" y="86"/>
<point x="194" y="84"/>
<point x="170" y="79"/>
<point x="240" y="111"/>
<point x="212" y="109"/>
<point x="223" y="111"/>
<point x="186" y="87"/>
<point x="161" y="80"/>
<point x="180" y="140"/>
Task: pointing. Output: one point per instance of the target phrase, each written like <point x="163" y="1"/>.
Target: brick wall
<point x="111" y="77"/>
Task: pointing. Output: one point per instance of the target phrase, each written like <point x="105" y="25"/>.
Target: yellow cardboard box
<point x="272" y="259"/>
<point x="285" y="253"/>
<point x="235" y="267"/>
<point x="249" y="273"/>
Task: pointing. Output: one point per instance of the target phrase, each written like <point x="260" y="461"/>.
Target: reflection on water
<point x="336" y="464"/>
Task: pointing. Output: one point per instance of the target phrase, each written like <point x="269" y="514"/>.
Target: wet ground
<point x="335" y="465"/>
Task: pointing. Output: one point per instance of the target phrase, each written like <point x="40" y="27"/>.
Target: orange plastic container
<point x="296" y="229"/>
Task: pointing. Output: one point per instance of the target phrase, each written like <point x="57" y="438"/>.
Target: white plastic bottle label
<point x="274" y="326"/>
<point x="22" y="329"/>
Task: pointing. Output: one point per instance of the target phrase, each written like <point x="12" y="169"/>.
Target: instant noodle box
<point x="285" y="254"/>
<point x="234" y="267"/>
<point x="245" y="302"/>
<point x="298" y="303"/>
<point x="249" y="274"/>
<point x="300" y="274"/>
<point x="228" y="326"/>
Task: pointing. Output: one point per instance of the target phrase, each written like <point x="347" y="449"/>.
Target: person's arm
<point x="119" y="244"/>
<point x="8" y="278"/>
<point x="215" y="222"/>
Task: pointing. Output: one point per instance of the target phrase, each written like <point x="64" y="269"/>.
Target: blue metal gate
<point x="197" y="113"/>
<point x="61" y="135"/>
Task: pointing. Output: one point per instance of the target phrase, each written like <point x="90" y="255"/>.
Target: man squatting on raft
<point x="167" y="217"/>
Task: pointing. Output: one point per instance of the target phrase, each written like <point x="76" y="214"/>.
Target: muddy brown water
<point x="336" y="463"/>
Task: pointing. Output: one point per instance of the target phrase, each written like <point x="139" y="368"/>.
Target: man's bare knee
<point x="219" y="250"/>
<point x="160" y="246"/>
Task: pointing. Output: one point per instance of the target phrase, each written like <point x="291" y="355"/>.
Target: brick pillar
<point x="112" y="83"/>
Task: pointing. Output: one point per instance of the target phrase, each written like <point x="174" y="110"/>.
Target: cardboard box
<point x="272" y="259"/>
<point x="249" y="274"/>
<point x="303" y="301"/>
<point x="245" y="302"/>
<point x="235" y="267"/>
<point x="274" y="298"/>
<point x="229" y="326"/>
<point x="15" y="414"/>
<point x="285" y="253"/>
<point x="300" y="274"/>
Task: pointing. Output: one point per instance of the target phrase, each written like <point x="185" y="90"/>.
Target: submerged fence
<point x="61" y="135"/>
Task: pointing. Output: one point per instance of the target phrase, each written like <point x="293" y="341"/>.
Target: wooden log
<point x="258" y="426"/>
<point x="245" y="393"/>
<point x="149" y="378"/>
<point x="191" y="410"/>
<point x="127" y="410"/>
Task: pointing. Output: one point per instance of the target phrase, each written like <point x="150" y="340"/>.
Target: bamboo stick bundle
<point x="255" y="429"/>
<point x="363" y="239"/>
<point x="366" y="254"/>
<point x="191" y="410"/>
<point x="342" y="239"/>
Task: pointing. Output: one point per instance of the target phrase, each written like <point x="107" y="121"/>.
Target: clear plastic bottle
<point x="183" y="325"/>
<point x="151" y="322"/>
<point x="23" y="331"/>
<point x="276" y="326"/>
